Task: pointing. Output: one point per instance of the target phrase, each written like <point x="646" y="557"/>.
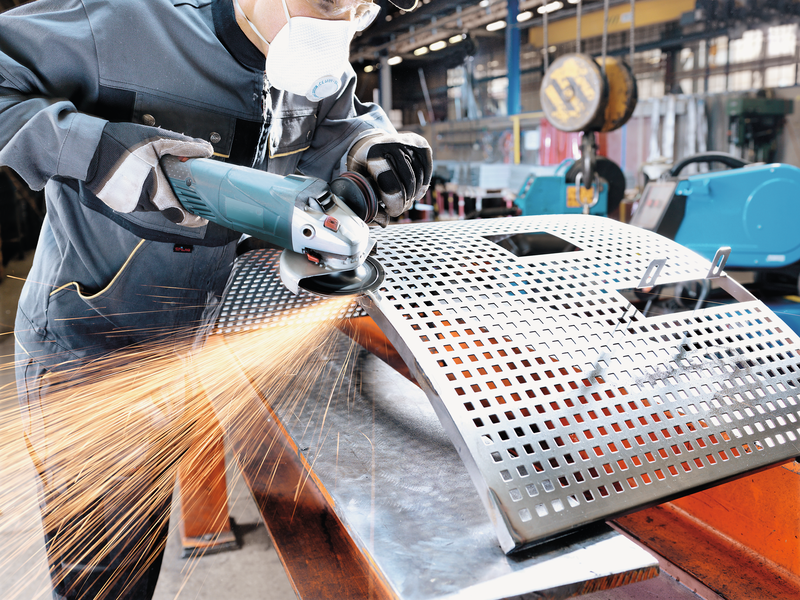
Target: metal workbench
<point x="563" y="402"/>
<point x="386" y="470"/>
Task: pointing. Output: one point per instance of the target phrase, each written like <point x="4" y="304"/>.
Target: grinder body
<point x="300" y="214"/>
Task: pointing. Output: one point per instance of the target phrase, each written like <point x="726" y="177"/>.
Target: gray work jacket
<point x="100" y="279"/>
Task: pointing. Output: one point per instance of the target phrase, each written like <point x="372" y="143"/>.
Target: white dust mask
<point x="308" y="56"/>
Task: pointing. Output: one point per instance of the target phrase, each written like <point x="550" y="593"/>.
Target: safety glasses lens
<point x="366" y="13"/>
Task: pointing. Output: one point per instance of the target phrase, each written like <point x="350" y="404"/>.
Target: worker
<point x="92" y="94"/>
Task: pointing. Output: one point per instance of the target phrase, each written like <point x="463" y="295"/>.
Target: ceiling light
<point x="483" y="3"/>
<point x="457" y="38"/>
<point x="573" y="1"/>
<point x="438" y="45"/>
<point x="550" y="7"/>
<point x="497" y="25"/>
<point x="395" y="60"/>
<point x="524" y="16"/>
<point x="369" y="69"/>
<point x="421" y="51"/>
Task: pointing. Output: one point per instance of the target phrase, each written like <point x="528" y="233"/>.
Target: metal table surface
<point x="405" y="496"/>
<point x="383" y="461"/>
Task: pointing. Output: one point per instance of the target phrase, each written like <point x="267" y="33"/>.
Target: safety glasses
<point x="360" y="14"/>
<point x="364" y="14"/>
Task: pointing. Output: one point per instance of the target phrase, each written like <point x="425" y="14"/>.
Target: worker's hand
<point x="400" y="164"/>
<point x="125" y="173"/>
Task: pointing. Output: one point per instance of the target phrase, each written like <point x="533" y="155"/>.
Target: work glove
<point x="126" y="176"/>
<point x="400" y="164"/>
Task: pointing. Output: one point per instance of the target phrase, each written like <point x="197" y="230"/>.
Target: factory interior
<point x="568" y="369"/>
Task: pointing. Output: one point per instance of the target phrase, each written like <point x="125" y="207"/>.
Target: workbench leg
<point x="205" y="524"/>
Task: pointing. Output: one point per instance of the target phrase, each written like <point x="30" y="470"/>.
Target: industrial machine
<point x="754" y="125"/>
<point x="751" y="207"/>
<point x="557" y="193"/>
<point x="321" y="227"/>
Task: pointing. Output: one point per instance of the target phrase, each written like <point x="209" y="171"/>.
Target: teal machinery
<point x="552" y="190"/>
<point x="752" y="208"/>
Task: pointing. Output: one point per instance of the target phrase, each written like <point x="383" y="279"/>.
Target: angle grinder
<point x="322" y="227"/>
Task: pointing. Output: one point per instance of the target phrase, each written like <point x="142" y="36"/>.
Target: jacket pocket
<point x="150" y="294"/>
<point x="72" y="305"/>
<point x="291" y="132"/>
<point x="216" y="128"/>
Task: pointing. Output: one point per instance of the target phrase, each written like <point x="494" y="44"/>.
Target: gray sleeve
<point x="342" y="120"/>
<point x="48" y="65"/>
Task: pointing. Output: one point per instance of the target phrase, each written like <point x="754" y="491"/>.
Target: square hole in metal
<point x="532" y="244"/>
<point x="676" y="297"/>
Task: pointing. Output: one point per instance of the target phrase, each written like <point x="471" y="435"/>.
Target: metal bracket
<point x="651" y="273"/>
<point x="718" y="262"/>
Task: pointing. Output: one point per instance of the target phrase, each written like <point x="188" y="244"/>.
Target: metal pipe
<point x="633" y="44"/>
<point x="544" y="34"/>
<point x="512" y="58"/>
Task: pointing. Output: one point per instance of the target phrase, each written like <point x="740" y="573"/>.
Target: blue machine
<point x="754" y="209"/>
<point x="553" y="192"/>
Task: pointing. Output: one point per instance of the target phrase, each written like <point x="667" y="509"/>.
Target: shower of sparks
<point x="109" y="435"/>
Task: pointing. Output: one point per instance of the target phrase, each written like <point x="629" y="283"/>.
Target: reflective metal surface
<point x="404" y="494"/>
<point x="255" y="296"/>
<point x="566" y="404"/>
<point x="379" y="452"/>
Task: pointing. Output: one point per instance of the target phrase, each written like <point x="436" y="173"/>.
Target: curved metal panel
<point x="566" y="404"/>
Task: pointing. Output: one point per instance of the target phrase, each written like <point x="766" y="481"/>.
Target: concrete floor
<point x="253" y="572"/>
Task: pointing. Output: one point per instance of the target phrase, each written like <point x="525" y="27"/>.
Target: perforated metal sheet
<point x="565" y="403"/>
<point x="255" y="297"/>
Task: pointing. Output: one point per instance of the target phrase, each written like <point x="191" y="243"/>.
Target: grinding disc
<point x="356" y="192"/>
<point x="574" y="93"/>
<point x="367" y="277"/>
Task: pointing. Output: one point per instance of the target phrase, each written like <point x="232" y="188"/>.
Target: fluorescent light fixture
<point x="524" y="16"/>
<point x="369" y="69"/>
<point x="497" y="25"/>
<point x="573" y="1"/>
<point x="421" y="51"/>
<point x="550" y="7"/>
<point x="395" y="60"/>
<point x="457" y="38"/>
<point x="438" y="45"/>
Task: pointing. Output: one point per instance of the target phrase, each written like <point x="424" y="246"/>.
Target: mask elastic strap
<point x="250" y="23"/>
<point x="286" y="12"/>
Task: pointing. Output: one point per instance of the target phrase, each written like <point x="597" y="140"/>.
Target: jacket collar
<point x="233" y="38"/>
